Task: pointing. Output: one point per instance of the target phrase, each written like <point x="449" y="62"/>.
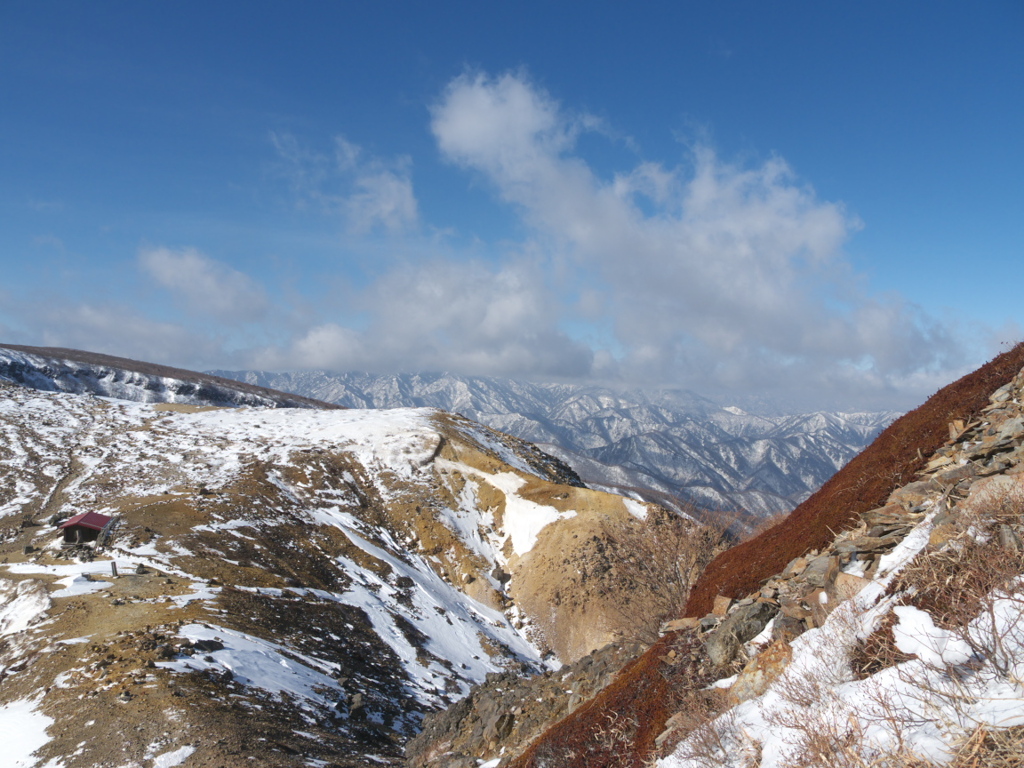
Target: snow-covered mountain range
<point x="665" y="445"/>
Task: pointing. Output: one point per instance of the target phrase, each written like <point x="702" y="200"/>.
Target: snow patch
<point x="171" y="759"/>
<point x="24" y="729"/>
<point x="21" y="605"/>
<point x="259" y="663"/>
<point x="635" y="508"/>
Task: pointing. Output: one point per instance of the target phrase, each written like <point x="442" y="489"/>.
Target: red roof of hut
<point x="92" y="520"/>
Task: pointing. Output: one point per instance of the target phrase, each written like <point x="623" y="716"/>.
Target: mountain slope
<point x="293" y="586"/>
<point x="930" y="545"/>
<point x="54" y="369"/>
<point x="662" y="446"/>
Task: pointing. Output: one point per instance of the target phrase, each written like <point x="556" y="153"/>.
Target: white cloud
<point x="712" y="274"/>
<point x="722" y="277"/>
<point x="205" y="286"/>
<point x="380" y="199"/>
<point x="369" y="193"/>
<point x="445" y="315"/>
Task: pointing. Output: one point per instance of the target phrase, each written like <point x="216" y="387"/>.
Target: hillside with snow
<point x="316" y="586"/>
<point x="880" y="624"/>
<point x="71" y="370"/>
<point x="282" y="586"/>
<point x="664" y="446"/>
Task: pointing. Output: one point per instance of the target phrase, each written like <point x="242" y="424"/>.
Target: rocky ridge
<point x="962" y="519"/>
<point x="980" y="457"/>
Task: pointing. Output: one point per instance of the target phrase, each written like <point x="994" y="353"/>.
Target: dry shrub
<point x="694" y="703"/>
<point x="712" y="743"/>
<point x="654" y="565"/>
<point x="987" y="748"/>
<point x="956" y="582"/>
<point x="832" y="741"/>
<point x="878" y="651"/>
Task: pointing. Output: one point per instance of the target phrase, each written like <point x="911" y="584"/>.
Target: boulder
<point x="743" y="624"/>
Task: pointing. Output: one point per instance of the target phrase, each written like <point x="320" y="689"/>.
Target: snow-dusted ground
<point x="922" y="706"/>
<point x="65" y="452"/>
<point x="24" y="732"/>
<point x="669" y="442"/>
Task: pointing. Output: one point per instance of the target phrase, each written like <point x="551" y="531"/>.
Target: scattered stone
<point x="207" y="646"/>
<point x="847" y="585"/>
<point x="911" y="495"/>
<point x="679" y="625"/>
<point x="820" y="570"/>
<point x="795" y="568"/>
<point x="499" y="727"/>
<point x="741" y="625"/>
<point x="1008" y="538"/>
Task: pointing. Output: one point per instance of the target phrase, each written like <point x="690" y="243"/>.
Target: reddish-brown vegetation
<point x="644" y="694"/>
<point x="865" y="483"/>
<point x="618" y="727"/>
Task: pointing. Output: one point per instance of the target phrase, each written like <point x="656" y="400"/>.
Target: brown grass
<point x="644" y="695"/>
<point x="1003" y="748"/>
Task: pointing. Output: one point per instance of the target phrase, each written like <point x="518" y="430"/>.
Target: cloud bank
<point x="708" y="274"/>
<point x="722" y="277"/>
<point x="206" y="287"/>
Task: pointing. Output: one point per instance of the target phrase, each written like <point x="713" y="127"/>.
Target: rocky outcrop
<point x="811" y="586"/>
<point x="512" y="708"/>
<point x="891" y="461"/>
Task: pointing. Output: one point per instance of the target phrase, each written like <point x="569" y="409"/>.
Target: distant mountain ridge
<point x="55" y="369"/>
<point x="664" y="445"/>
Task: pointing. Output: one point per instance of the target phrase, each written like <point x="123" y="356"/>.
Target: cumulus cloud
<point x="205" y="286"/>
<point x="712" y="274"/>
<point x="727" y="278"/>
<point x="465" y="317"/>
<point x="369" y="193"/>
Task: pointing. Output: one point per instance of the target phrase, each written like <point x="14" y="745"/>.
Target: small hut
<point x="84" y="527"/>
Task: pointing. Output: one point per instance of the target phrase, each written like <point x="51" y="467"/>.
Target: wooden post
<point x="113" y="568"/>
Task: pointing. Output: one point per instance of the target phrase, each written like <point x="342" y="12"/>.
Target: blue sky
<point x="816" y="202"/>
